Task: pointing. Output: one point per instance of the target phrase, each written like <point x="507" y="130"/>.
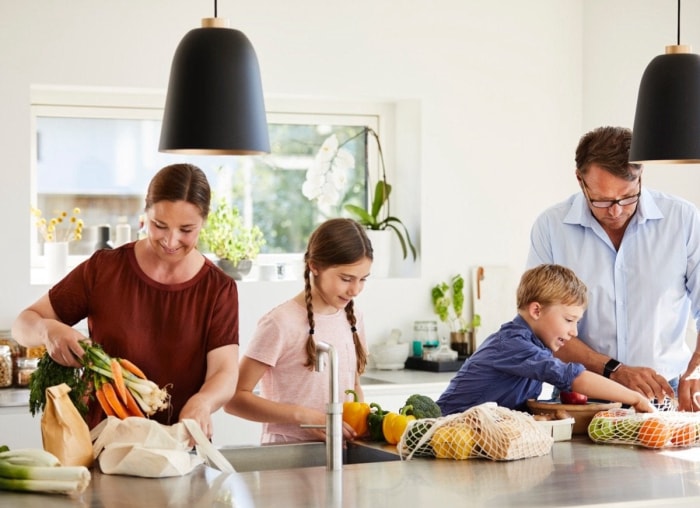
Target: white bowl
<point x="390" y="356"/>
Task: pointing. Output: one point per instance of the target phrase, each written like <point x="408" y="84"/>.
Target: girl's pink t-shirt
<point x="280" y="342"/>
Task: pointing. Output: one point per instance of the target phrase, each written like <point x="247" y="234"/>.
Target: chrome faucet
<point x="334" y="414"/>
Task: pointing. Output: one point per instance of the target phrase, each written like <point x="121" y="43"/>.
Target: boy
<point x="511" y="365"/>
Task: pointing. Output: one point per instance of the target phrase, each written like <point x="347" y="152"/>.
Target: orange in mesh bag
<point x="486" y="431"/>
<point x="662" y="429"/>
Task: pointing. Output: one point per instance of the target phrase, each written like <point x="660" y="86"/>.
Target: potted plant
<point x="325" y="181"/>
<point x="377" y="218"/>
<point x="448" y="304"/>
<point x="227" y="237"/>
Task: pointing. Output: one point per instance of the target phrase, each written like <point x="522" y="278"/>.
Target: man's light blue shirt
<point x="640" y="296"/>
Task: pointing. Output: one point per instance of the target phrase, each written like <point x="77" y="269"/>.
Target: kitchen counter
<point x="405" y="377"/>
<point x="390" y="388"/>
<point x="575" y="473"/>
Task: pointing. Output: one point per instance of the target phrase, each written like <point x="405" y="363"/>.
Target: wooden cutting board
<point x="493" y="298"/>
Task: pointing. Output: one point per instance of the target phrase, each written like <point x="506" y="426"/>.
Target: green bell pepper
<point x="375" y="420"/>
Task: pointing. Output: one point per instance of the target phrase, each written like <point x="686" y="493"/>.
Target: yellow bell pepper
<point x="395" y="424"/>
<point x="355" y="414"/>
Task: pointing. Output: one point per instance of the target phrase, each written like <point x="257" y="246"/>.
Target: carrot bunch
<point x="120" y="387"/>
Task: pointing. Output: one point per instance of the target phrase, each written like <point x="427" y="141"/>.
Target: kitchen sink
<point x="295" y="455"/>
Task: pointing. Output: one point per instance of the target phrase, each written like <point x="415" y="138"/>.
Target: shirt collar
<point x="580" y="213"/>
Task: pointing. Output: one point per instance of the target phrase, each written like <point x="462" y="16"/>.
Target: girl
<point x="282" y="353"/>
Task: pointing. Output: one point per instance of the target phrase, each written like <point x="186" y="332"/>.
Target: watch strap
<point x="611" y="367"/>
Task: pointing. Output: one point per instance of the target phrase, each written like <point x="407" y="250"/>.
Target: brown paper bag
<point x="63" y="431"/>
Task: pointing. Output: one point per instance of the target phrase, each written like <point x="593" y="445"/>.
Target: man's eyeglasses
<point x="630" y="200"/>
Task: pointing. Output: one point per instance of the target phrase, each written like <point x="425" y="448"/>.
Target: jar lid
<point x="27" y="363"/>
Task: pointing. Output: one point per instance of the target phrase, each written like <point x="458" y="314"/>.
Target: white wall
<point x="506" y="89"/>
<point x="620" y="38"/>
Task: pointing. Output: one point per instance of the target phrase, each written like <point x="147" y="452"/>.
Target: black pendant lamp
<point x="215" y="104"/>
<point x="667" y="121"/>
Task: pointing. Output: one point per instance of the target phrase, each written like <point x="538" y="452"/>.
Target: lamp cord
<point x="216" y="9"/>
<point x="678" y="34"/>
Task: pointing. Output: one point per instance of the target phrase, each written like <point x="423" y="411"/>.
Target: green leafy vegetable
<point x="51" y="373"/>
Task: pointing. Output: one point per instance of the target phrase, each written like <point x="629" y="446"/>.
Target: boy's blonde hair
<point x="551" y="285"/>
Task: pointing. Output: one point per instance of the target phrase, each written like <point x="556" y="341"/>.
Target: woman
<point x="282" y="353"/>
<point x="157" y="302"/>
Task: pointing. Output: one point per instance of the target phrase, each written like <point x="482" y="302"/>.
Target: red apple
<point x="573" y="398"/>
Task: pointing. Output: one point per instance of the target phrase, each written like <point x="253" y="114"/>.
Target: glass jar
<point x="426" y="333"/>
<point x="25" y="368"/>
<point x="5" y="366"/>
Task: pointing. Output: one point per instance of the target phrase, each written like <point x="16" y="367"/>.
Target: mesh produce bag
<point x="666" y="428"/>
<point x="484" y="431"/>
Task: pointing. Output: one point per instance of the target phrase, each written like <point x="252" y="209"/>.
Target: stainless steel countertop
<point x="575" y="473"/>
<point x="405" y="377"/>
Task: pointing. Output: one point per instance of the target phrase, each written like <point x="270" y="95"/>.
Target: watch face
<point x="612" y="366"/>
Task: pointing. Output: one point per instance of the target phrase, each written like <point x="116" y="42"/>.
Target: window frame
<point x="130" y="103"/>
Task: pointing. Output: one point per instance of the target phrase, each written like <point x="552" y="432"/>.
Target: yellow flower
<point x="60" y="228"/>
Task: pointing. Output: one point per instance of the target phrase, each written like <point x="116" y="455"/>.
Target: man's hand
<point x="689" y="386"/>
<point x="644" y="380"/>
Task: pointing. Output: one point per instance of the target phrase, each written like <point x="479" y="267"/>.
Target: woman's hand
<point x="197" y="409"/>
<point x="62" y="343"/>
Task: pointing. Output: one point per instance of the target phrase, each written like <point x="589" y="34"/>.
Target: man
<point x="638" y="251"/>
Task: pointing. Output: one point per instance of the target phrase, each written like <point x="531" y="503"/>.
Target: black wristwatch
<point x="611" y="367"/>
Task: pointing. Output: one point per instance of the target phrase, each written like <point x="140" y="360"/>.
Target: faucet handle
<point x="311" y="426"/>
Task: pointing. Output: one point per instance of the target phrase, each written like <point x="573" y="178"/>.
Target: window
<point x="98" y="150"/>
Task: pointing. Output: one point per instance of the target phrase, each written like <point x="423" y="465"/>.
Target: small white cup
<point x="268" y="272"/>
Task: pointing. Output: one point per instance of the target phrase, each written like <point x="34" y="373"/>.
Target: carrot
<point x="118" y="379"/>
<point x="132" y="406"/>
<point x="103" y="402"/>
<point x="126" y="364"/>
<point x="114" y="402"/>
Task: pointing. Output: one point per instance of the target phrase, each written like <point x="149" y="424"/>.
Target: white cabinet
<point x="19" y="429"/>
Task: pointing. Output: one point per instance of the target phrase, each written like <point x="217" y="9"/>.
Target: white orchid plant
<point x="326" y="179"/>
<point x="328" y="174"/>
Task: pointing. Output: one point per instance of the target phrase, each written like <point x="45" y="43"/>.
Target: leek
<point x="35" y="470"/>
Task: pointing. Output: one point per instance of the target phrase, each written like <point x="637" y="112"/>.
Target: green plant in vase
<point x="229" y="239"/>
<point x="325" y="181"/>
<point x="378" y="219"/>
<point x="448" y="304"/>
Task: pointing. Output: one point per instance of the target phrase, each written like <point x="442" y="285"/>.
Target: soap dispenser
<point x="103" y="242"/>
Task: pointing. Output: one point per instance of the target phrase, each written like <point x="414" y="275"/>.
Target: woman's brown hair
<point x="335" y="242"/>
<point x="180" y="182"/>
